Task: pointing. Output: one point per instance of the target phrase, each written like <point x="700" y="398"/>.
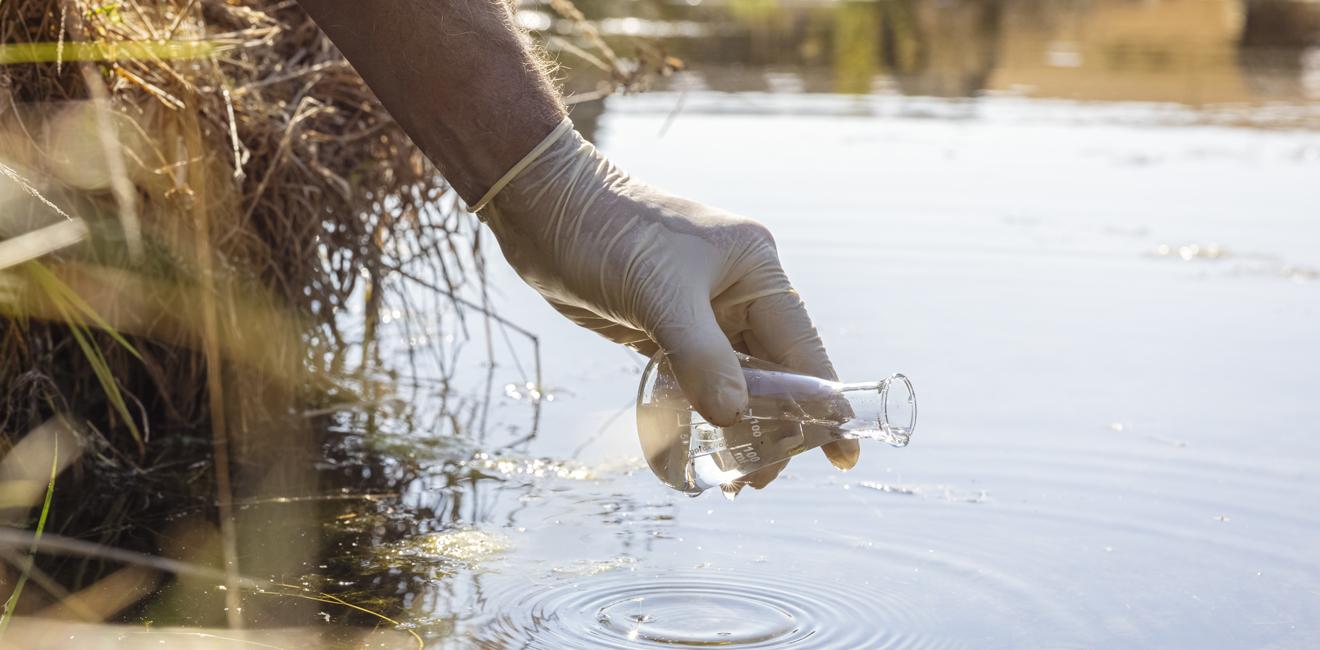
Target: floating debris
<point x="515" y="466"/>
<point x="941" y="492"/>
<point x="587" y="568"/>
<point x="891" y="489"/>
<point x="1248" y="264"/>
<point x="459" y="548"/>
<point x="512" y="466"/>
<point x="529" y="390"/>
<point x="1189" y="252"/>
<point x="1300" y="273"/>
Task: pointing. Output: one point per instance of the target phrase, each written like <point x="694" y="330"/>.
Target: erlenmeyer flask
<point x="787" y="413"/>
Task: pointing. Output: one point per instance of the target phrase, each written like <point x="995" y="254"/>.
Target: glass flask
<point x="787" y="413"/>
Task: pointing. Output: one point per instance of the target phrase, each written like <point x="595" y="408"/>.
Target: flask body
<point x="787" y="413"/>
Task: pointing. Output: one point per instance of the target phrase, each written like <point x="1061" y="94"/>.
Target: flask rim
<point x="906" y="385"/>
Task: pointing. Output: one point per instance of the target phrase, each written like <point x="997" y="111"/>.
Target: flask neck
<point x="883" y="410"/>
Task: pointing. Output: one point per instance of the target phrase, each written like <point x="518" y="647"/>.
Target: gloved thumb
<point x="703" y="361"/>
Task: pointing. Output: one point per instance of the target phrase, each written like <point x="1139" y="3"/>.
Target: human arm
<point x="456" y="76"/>
<point x="639" y="266"/>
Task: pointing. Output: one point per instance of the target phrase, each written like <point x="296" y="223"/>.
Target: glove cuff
<point x="558" y="132"/>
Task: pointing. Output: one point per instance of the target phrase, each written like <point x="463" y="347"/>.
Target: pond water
<point x="1099" y="265"/>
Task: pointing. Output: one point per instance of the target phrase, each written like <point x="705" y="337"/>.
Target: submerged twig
<point x="335" y="600"/>
<point x="77" y="547"/>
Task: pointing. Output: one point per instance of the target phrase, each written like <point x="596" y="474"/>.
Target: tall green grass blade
<point x="12" y="603"/>
<point x="107" y="380"/>
<point x="66" y="301"/>
<point x="53" y="286"/>
<point x="51" y="52"/>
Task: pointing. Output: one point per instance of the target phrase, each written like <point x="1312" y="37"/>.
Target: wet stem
<point x="12" y="603"/>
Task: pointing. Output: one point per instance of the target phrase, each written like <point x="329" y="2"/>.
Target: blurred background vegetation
<point x="1193" y="52"/>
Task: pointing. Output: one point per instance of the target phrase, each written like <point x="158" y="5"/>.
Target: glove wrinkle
<point x="626" y="303"/>
<point x="653" y="271"/>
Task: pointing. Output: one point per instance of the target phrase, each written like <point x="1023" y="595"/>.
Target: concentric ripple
<point x="700" y="609"/>
<point x="690" y="615"/>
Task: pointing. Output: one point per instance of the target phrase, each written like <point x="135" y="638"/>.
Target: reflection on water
<point x="1195" y="52"/>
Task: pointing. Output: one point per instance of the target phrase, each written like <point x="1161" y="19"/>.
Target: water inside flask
<point x="787" y="413"/>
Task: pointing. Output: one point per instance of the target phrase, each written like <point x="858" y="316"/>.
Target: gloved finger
<point x="775" y="439"/>
<point x="621" y="334"/>
<point x="762" y="477"/>
<point x="843" y="454"/>
<point x="703" y="361"/>
<point x="646" y="348"/>
<point x="782" y="329"/>
<point x="740" y="344"/>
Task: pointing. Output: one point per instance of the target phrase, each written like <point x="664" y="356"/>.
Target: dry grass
<point x="264" y="168"/>
<point x="192" y="193"/>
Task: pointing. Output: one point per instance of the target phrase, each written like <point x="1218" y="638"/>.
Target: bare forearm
<point x="456" y="76"/>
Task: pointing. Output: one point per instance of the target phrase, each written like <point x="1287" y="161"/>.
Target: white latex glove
<point x="655" y="271"/>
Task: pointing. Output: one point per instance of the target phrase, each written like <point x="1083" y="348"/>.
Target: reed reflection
<point x="1193" y="52"/>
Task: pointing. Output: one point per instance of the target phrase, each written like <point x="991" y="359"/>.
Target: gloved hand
<point x="655" y="271"/>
